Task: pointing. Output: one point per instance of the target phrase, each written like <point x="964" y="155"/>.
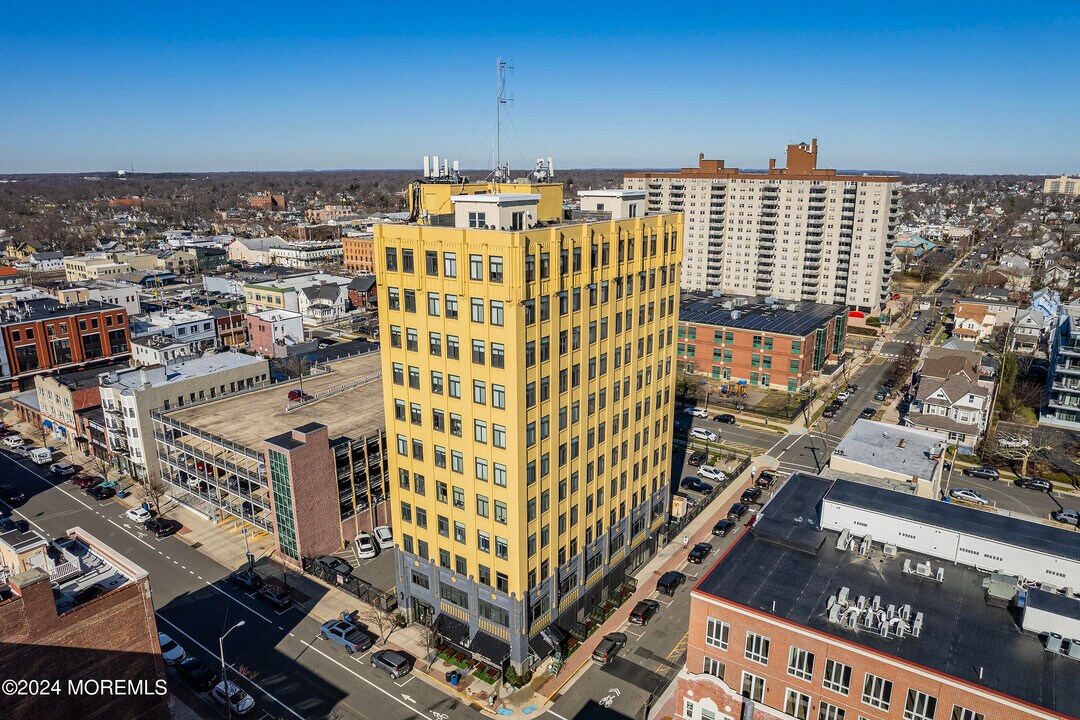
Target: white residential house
<point x="323" y="303"/>
<point x="952" y="399"/>
<point x="1027" y="330"/>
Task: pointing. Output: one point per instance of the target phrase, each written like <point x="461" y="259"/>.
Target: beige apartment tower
<point x="794" y="233"/>
<point x="528" y="371"/>
<point x="1063" y="185"/>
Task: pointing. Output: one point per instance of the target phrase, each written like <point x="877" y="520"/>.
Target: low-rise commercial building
<point x="93" y="266"/>
<point x="230" y="327"/>
<point x="358" y="253"/>
<point x="897" y="457"/>
<point x="255" y="251"/>
<point x="308" y="254"/>
<point x="44" y="334"/>
<point x="847" y="601"/>
<point x="129" y="396"/>
<point x="1062" y="407"/>
<point x="75" y="609"/>
<point x="277" y="333"/>
<point x="758" y="341"/>
<point x="312" y="473"/>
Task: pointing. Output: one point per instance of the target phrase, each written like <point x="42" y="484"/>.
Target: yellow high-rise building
<point x="529" y="381"/>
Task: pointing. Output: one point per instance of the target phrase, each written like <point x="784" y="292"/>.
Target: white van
<point x="41" y="456"/>
<point x="13" y="441"/>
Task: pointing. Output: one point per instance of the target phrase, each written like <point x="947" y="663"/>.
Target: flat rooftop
<point x="44" y="308"/>
<point x="786" y="568"/>
<point x="352" y="412"/>
<point x="781" y="318"/>
<point x="177" y="371"/>
<point x="894" y="448"/>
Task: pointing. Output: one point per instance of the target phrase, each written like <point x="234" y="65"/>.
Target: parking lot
<point x="1004" y="494"/>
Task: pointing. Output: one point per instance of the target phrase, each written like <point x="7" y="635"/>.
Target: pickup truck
<point x="350" y="637"/>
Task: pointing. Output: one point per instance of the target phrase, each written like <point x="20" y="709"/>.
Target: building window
<point x="713" y="667"/>
<point x="450" y="265"/>
<point x="483" y="544"/>
<point x="797" y="704"/>
<point x="877" y="692"/>
<point x="454" y="595"/>
<point x="476" y="262"/>
<point x="801" y="663"/>
<point x="830" y="712"/>
<point x="459" y="536"/>
<point x="757" y="648"/>
<point x="500" y="474"/>
<point x="962" y="713"/>
<point x="477" y="220"/>
<point x="477" y="309"/>
<point x="496" y="313"/>
<point x="501" y="547"/>
<point x="919" y="706"/>
<point x="495" y="268"/>
<point x="716" y="634"/>
<point x="753" y="687"/>
<point x="481" y="506"/>
<point x="837" y="677"/>
<point x="459" y="497"/>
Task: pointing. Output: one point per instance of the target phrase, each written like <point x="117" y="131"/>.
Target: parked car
<point x="643" y="611"/>
<point x="969" y="495"/>
<point x="11" y="494"/>
<point x="161" y="527"/>
<point x="696" y="459"/>
<point x="347" y="635"/>
<point x="298" y="395"/>
<point x="904" y="406"/>
<point x="384" y="537"/>
<point x="171" y="652"/>
<point x="228" y="694"/>
<point x="1013" y="442"/>
<point x="703" y="434"/>
<point x="829" y="412"/>
<point x="880" y="395"/>
<point x="24" y="450"/>
<point x="984" y="472"/>
<point x="335" y="565"/>
<point x="843" y="396"/>
<point x="697" y="485"/>
<point x="62" y="468"/>
<point x="608" y="649"/>
<point x="7" y="524"/>
<point x="722" y="528"/>
<point x="246" y="579"/>
<point x="85" y="481"/>
<point x="696" y="412"/>
<point x="726" y="419"/>
<point x="1069" y="517"/>
<point x="391" y="662"/>
<point x="852" y="388"/>
<point x="1035" y="483"/>
<point x="198" y="674"/>
<point x="736" y="511"/>
<point x="138" y="514"/>
<point x="868" y="413"/>
<point x="765" y="480"/>
<point x="751" y="496"/>
<point x="699" y="552"/>
<point x="12" y="441"/>
<point x="711" y="473"/>
<point x="101" y="492"/>
<point x="927" y="330"/>
<point x="275" y="596"/>
<point x="669" y="582"/>
<point x="365" y="548"/>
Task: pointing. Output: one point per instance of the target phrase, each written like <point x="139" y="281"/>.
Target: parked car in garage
<point x="697" y="485"/>
<point x="711" y="473"/>
<point x="696" y="459"/>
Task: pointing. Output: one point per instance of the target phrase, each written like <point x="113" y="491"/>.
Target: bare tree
<point x="382" y="620"/>
<point x="430" y="637"/>
<point x="151" y="491"/>
<point x="100" y="466"/>
<point x="1022" y="447"/>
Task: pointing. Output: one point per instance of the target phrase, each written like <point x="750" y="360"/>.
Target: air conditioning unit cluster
<point x="869" y="614"/>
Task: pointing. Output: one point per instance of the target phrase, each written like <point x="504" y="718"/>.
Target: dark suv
<point x="696" y="459"/>
<point x="246" y="579"/>
<point x="750" y="496"/>
<point x="765" y="480"/>
<point x="643" y="611"/>
<point x="606" y="652"/>
<point x="669" y="582"/>
<point x="986" y="473"/>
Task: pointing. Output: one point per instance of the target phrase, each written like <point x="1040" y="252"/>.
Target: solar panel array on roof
<point x="802" y="319"/>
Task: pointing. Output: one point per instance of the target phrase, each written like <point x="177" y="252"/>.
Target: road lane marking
<point x="297" y="715"/>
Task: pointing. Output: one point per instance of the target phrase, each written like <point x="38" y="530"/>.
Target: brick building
<point x="230" y="326"/>
<point x="309" y="232"/>
<point x="75" y="609"/>
<point x="267" y="201"/>
<point x="751" y="340"/>
<point x="943" y="618"/>
<point x="358" y="253"/>
<point x="45" y="334"/>
<point x="362" y="292"/>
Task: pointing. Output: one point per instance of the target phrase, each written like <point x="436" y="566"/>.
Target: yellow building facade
<point x="529" y="384"/>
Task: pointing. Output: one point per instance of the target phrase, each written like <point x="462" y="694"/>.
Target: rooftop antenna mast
<point x="502" y="67"/>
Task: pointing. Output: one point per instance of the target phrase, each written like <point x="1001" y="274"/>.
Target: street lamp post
<point x="224" y="676"/>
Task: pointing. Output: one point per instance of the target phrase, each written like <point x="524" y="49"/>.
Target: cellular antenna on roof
<point x="502" y="67"/>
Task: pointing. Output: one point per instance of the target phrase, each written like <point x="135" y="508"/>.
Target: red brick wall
<point x="358" y="255"/>
<point x="112" y="637"/>
<point x="316" y="512"/>
<point x="783" y="636"/>
<point x="73" y="332"/>
<point x="260" y="340"/>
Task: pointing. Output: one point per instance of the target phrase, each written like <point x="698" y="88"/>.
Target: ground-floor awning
<point x="453" y="630"/>
<point x="490" y="647"/>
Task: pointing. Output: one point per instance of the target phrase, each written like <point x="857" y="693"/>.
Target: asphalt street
<point x="292" y="673"/>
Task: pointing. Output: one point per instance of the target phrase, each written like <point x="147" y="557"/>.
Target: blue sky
<point x="932" y="87"/>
